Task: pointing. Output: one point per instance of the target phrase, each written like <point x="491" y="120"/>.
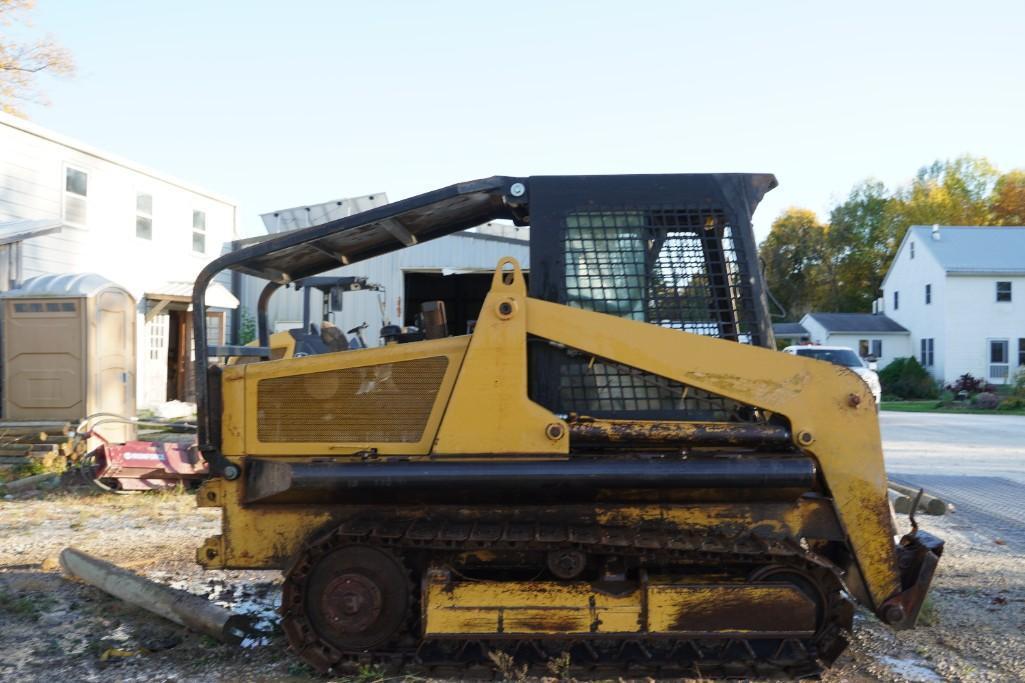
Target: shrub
<point x="1013" y="403"/>
<point x="1018" y="387"/>
<point x="906" y="378"/>
<point x="986" y="400"/>
<point x="969" y="383"/>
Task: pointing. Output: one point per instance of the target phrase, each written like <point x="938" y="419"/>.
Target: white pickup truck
<point x="841" y="355"/>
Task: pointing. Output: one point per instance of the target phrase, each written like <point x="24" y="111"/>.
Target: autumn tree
<point x="1007" y="203"/>
<point x="840" y="266"/>
<point x="946" y="193"/>
<point x="23" y="60"/>
<point x="793" y="256"/>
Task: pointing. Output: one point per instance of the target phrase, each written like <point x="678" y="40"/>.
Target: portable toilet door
<point x="69" y="351"/>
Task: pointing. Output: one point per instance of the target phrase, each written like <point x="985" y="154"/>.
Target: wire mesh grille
<point x="593" y="386"/>
<point x="673" y="267"/>
<point x="677" y="267"/>
<point x="385" y="403"/>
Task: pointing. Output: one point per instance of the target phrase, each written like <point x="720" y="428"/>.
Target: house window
<point x="998" y="359"/>
<point x="215" y="328"/>
<point x="157" y="330"/>
<point x="912" y="245"/>
<point x="928" y="294"/>
<point x="896" y="300"/>
<point x="76" y="193"/>
<point x="870" y="348"/>
<point x="144" y="216"/>
<point x="927" y="356"/>
<point x="1003" y="291"/>
<point x="1021" y="351"/>
<point x="199" y="231"/>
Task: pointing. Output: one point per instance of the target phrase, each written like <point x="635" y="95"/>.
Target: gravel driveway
<point x="50" y="628"/>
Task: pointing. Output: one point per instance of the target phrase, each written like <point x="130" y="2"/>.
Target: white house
<point x="960" y="291"/>
<point x="871" y="335"/>
<point x="141" y="229"/>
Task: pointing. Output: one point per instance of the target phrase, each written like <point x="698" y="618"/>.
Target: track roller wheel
<point x="357" y="598"/>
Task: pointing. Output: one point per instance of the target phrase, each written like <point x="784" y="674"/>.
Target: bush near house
<point x="969" y="384"/>
<point x="986" y="400"/>
<point x="906" y="378"/>
<point x="1018" y="388"/>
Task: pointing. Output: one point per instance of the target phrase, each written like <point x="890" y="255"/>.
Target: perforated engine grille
<point x="380" y="403"/>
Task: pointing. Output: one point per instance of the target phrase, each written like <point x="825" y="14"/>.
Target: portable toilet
<point x="69" y="350"/>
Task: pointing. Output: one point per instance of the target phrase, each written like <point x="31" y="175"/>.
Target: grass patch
<point x="934" y="406"/>
<point x="31" y="605"/>
<point x="928" y="615"/>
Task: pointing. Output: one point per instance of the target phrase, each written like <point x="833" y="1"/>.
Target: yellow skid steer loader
<point x="615" y="468"/>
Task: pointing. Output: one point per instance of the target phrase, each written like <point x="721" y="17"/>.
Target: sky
<point x="279" y="104"/>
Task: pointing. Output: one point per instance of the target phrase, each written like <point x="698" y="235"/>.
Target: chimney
<point x="936" y="232"/>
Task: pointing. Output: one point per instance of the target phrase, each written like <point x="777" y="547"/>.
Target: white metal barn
<point x="67" y="207"/>
<point x="456" y="269"/>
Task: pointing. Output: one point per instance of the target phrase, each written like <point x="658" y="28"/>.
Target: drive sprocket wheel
<point x="353" y="598"/>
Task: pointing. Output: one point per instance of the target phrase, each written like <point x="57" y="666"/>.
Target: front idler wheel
<point x="358" y="598"/>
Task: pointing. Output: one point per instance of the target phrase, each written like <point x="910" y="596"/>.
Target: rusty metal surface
<point x="919" y="554"/>
<point x="729" y="654"/>
<point x="266" y="536"/>
<point x="592" y="433"/>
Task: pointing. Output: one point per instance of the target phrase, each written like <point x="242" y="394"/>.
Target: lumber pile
<point x="45" y="442"/>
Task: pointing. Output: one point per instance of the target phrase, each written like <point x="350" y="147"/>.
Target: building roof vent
<point x="936" y="232"/>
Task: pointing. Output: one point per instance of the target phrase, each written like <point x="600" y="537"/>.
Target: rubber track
<point x="658" y="657"/>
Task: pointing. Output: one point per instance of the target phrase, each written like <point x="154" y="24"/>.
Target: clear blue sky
<point x="283" y="103"/>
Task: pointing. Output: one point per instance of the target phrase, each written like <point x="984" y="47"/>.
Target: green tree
<point x="1007" y="202"/>
<point x="859" y="245"/>
<point x="21" y="62"/>
<point x="793" y="255"/>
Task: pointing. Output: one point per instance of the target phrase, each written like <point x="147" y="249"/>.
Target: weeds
<point x="928" y="615"/>
<point x="506" y="666"/>
<point x="559" y="667"/>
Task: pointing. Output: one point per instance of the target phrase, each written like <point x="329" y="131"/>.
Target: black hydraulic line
<point x="269" y="478"/>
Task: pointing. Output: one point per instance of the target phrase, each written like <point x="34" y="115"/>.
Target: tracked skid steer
<point x="615" y="470"/>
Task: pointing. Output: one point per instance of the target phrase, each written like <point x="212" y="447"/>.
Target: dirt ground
<point x="55" y="629"/>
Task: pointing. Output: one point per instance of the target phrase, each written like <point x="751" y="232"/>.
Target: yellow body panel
<point x="452" y="349"/>
<point x="461" y="608"/>
<point x="492" y="389"/>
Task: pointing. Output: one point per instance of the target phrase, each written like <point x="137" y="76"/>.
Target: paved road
<point x="976" y="462"/>
<point x="950" y="444"/>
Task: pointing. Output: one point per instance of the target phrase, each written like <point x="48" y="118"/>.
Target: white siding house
<point x="871" y="335"/>
<point x="960" y="291"/>
<point x="141" y="229"/>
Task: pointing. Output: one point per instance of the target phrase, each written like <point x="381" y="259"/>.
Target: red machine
<point x="144" y="465"/>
